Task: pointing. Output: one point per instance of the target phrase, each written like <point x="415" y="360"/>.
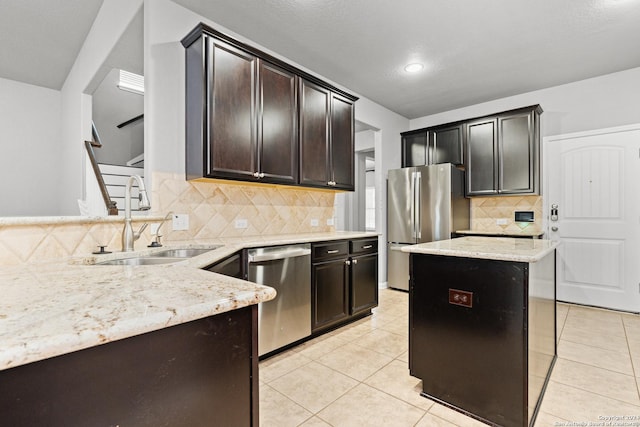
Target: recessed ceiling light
<point x="414" y="68"/>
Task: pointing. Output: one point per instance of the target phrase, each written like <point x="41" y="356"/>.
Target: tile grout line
<point x="633" y="367"/>
<point x="591" y="391"/>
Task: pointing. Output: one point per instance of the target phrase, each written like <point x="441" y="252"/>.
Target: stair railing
<point x="112" y="208"/>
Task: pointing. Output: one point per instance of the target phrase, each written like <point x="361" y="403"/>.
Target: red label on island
<point x="463" y="298"/>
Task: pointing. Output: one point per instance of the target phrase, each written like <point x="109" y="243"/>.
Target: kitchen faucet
<point x="156" y="242"/>
<point x="128" y="235"/>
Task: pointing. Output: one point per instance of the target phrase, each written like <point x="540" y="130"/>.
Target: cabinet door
<point x="278" y="136"/>
<point x="445" y="145"/>
<point x="314" y="134"/>
<point x="481" y="148"/>
<point x="517" y="152"/>
<point x="414" y="149"/>
<point x="341" y="143"/>
<point x="330" y="293"/>
<point x="364" y="283"/>
<point x="231" y="109"/>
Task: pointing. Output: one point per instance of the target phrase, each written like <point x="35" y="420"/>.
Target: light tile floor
<point x="358" y="375"/>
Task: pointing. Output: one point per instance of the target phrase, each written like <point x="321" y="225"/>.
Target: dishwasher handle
<point x="272" y="256"/>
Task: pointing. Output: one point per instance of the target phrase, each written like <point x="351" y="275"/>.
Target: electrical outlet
<point x="315" y="222"/>
<point x="180" y="222"/>
<point x="502" y="221"/>
<point x="154" y="228"/>
<point x="330" y="221"/>
<point x="241" y="223"/>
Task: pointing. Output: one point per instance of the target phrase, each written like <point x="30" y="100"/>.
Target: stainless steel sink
<point x="144" y="260"/>
<point x="164" y="257"/>
<point x="184" y="253"/>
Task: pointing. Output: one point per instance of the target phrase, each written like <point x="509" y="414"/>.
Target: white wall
<point x="30" y="142"/>
<point x="601" y="102"/>
<point x="387" y="149"/>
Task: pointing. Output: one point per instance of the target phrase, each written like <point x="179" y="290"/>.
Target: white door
<point x="594" y="179"/>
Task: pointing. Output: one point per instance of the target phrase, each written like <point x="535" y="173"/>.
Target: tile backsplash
<point x="33" y="243"/>
<point x="214" y="207"/>
<point x="485" y="211"/>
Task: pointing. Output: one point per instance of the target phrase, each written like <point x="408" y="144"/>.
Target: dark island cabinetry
<point x="253" y="117"/>
<point x="482" y="333"/>
<point x="344" y="281"/>
<point x="204" y="372"/>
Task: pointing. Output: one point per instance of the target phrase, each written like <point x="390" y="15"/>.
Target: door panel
<point x="594" y="179"/>
<point x="414" y="149"/>
<point x="232" y="111"/>
<point x="446" y="145"/>
<point x="278" y="124"/>
<point x="314" y="134"/>
<point x="516" y="152"/>
<point x="578" y="254"/>
<point x="364" y="283"/>
<point x="400" y="227"/>
<point x="481" y="158"/>
<point x="397" y="267"/>
<point x="433" y="212"/>
<point x="342" y="142"/>
<point x="330" y="293"/>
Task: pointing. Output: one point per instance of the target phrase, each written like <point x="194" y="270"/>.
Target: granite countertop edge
<point x="494" y="248"/>
<point x="57" y="307"/>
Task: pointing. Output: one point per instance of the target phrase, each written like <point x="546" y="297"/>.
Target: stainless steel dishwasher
<point x="287" y="318"/>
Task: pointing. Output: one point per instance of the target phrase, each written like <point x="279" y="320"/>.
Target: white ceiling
<point x="473" y="51"/>
<point x="40" y="39"/>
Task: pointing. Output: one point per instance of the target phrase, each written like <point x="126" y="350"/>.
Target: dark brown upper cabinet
<point x="503" y="153"/>
<point x="445" y="144"/>
<point x="482" y="156"/>
<point x="414" y="148"/>
<point x="434" y="145"/>
<point x="326" y="138"/>
<point x="277" y="124"/>
<point x="253" y="117"/>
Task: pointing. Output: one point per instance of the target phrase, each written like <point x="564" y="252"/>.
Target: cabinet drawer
<point x="328" y="250"/>
<point x="364" y="246"/>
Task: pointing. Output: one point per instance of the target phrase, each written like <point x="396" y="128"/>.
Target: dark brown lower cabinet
<point x="330" y="293"/>
<point x="364" y="283"/>
<point x="200" y="373"/>
<point x="344" y="281"/>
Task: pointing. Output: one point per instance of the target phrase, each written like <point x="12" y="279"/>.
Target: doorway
<point x="359" y="210"/>
<point x="593" y="188"/>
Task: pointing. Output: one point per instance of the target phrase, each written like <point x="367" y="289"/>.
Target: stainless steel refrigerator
<point x="424" y="204"/>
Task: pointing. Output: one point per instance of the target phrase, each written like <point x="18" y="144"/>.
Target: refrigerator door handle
<point x="413" y="205"/>
<point x="417" y="223"/>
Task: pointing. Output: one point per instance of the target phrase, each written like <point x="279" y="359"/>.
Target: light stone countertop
<point x="58" y="220"/>
<point x="55" y="308"/>
<point x="497" y="248"/>
<point x="524" y="233"/>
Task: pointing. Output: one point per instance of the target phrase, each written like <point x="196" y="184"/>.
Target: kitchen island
<point x="482" y="324"/>
<point x="172" y="344"/>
